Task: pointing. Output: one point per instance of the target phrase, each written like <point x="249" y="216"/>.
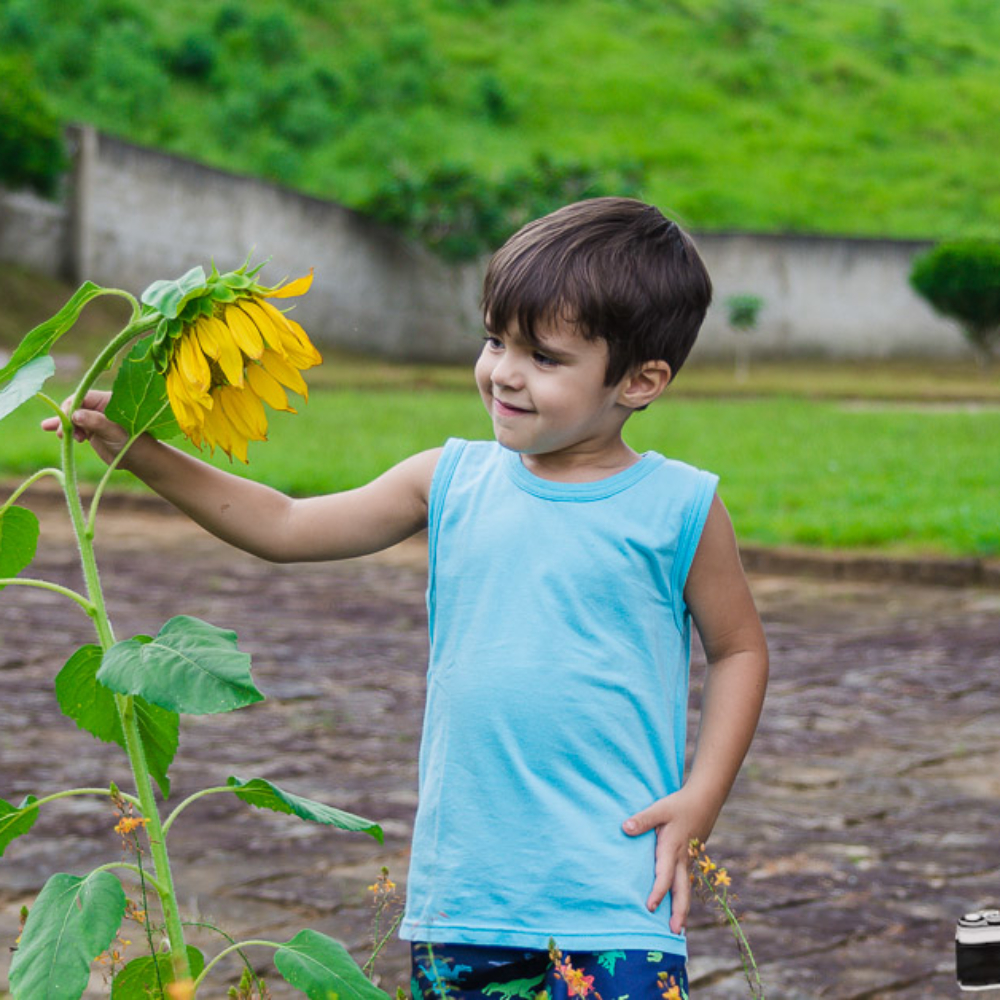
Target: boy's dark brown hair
<point x="615" y="268"/>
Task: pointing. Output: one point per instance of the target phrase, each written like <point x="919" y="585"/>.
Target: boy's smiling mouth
<point x="503" y="409"/>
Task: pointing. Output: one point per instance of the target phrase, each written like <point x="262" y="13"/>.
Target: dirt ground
<point x="864" y="823"/>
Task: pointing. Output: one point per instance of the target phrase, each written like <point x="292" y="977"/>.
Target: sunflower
<point x="225" y="351"/>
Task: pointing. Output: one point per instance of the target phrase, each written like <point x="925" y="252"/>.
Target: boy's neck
<point x="581" y="465"/>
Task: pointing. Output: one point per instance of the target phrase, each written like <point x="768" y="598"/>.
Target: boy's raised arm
<point x="259" y="519"/>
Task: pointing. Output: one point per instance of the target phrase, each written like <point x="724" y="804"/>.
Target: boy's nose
<point x="507" y="373"/>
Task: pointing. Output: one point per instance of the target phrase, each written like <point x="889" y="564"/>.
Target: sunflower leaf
<point x="141" y="978"/>
<point x="169" y="296"/>
<point x="262" y="794"/>
<point x="92" y="707"/>
<point x="73" y="919"/>
<point x="18" y="540"/>
<point x="139" y="396"/>
<point x="321" y="968"/>
<point x="25" y="381"/>
<point x="190" y="667"/>
<point x="16" y="821"/>
<point x="38" y="342"/>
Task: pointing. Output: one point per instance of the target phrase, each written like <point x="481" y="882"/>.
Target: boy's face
<point x="550" y="397"/>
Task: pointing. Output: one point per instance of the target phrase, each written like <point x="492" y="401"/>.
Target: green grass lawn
<point x="900" y="476"/>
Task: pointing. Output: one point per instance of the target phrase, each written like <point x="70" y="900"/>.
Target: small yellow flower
<point x="706" y="864"/>
<point x="226" y="351"/>
<point x="722" y="877"/>
<point x="383" y="885"/>
<point x="129" y="824"/>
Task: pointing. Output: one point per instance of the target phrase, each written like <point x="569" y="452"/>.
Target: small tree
<point x="743" y="311"/>
<point x="961" y="280"/>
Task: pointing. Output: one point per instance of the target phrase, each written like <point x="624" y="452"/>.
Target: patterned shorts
<point x="471" y="972"/>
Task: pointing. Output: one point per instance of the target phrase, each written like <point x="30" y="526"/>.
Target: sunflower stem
<point x="84" y="532"/>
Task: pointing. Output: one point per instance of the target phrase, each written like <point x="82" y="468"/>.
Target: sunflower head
<point x="225" y="351"/>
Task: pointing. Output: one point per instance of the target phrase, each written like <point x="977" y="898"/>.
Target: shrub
<point x="961" y="280"/>
<point x="195" y="57"/>
<point x="743" y="310"/>
<point x="31" y="143"/>
<point x="460" y="214"/>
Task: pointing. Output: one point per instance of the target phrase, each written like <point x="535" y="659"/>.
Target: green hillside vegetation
<point x="865" y="118"/>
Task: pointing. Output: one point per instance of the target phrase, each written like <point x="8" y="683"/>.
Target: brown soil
<point x="863" y="825"/>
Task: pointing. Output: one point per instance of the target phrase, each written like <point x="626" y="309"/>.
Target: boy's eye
<point x="493" y="343"/>
<point x="544" y="360"/>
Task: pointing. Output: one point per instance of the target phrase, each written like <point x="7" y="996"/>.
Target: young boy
<point x="564" y="572"/>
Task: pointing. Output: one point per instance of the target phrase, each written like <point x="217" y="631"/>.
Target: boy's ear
<point x="645" y="384"/>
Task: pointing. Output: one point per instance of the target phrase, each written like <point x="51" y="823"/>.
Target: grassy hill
<point x="866" y="118"/>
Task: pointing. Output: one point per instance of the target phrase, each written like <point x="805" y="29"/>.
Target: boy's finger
<point x="661" y="886"/>
<point x="680" y="899"/>
<point x="642" y="822"/>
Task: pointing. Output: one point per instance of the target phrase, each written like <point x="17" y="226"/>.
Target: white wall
<point x="823" y="296"/>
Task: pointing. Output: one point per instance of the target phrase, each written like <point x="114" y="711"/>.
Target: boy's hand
<point x="675" y="821"/>
<point x="90" y="424"/>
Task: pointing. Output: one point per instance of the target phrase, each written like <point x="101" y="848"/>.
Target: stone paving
<point x="864" y="824"/>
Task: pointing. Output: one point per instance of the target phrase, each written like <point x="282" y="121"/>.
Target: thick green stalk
<point x="157" y="843"/>
<point x="84" y="532"/>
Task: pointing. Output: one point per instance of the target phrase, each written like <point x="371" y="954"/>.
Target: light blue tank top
<point x="556" y="700"/>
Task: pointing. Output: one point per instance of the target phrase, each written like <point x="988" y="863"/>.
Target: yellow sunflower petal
<point x="219" y="431"/>
<point x="192" y="363"/>
<point x="268" y="388"/>
<point x="275" y="365"/>
<point x="294" y="340"/>
<point x="188" y="408"/>
<point x="297" y="287"/>
<point x="299" y="348"/>
<point x="244" y="411"/>
<point x="206" y="338"/>
<point x="265" y="322"/>
<point x="230" y="356"/>
<point x="244" y="331"/>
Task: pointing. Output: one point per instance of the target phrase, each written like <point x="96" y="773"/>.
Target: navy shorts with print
<point x="472" y="972"/>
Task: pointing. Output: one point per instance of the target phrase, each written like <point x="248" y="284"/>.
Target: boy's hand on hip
<point x="675" y="823"/>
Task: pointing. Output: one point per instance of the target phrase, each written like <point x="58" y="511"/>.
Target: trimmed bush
<point x="961" y="280"/>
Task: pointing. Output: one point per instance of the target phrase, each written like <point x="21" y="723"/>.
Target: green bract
<point x="180" y="301"/>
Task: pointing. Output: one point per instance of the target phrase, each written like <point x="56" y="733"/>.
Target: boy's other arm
<point x="264" y="521"/>
<point x="722" y="607"/>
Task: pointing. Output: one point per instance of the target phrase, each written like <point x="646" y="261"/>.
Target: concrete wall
<point x="133" y="215"/>
<point x="824" y="297"/>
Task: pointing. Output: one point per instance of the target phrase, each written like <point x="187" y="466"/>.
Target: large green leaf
<point x="39" y="341"/>
<point x="73" y="920"/>
<point x="16" y="821"/>
<point x="141" y="977"/>
<point x="139" y="396"/>
<point x="261" y="793"/>
<point x="323" y="969"/>
<point x="93" y="708"/>
<point x="27" y="380"/>
<point x="190" y="667"/>
<point x="18" y="540"/>
<point x="169" y="296"/>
